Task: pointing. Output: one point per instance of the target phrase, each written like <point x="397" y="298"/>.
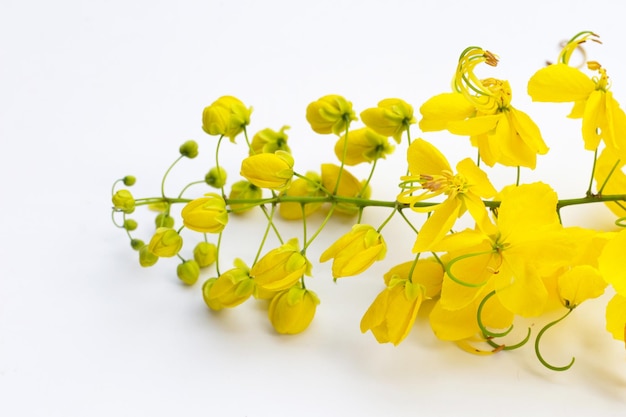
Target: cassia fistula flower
<point x="206" y="214"/>
<point x="355" y="251"/>
<point x="226" y="116"/>
<point x="301" y="187"/>
<point x="243" y="190"/>
<point x="146" y="257"/>
<point x="362" y="145"/>
<point x="292" y="310"/>
<point x="188" y="271"/>
<point x="430" y="176"/>
<point x="281" y="268"/>
<point x="165" y="242"/>
<point x="124" y="201"/>
<point x="330" y="114"/>
<point x="392" y="117"/>
<point x="349" y="186"/>
<point x="269" y="141"/>
<point x="205" y="254"/>
<point x="269" y="170"/>
<point x="230" y="289"/>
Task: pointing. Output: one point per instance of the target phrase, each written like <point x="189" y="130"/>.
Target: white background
<point x="93" y="90"/>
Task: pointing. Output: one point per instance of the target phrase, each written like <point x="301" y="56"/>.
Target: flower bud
<point x="281" y="268"/>
<point x="129" y="180"/>
<point x="355" y="251"/>
<point x="123" y="201"/>
<point x="291" y="311"/>
<point x="137" y="244"/>
<point x="146" y="257"/>
<point x="243" y="190"/>
<point x="188" y="272"/>
<point x="206" y="215"/>
<point x="362" y="145"/>
<point x="130" y="225"/>
<point x="269" y="141"/>
<point x="164" y="220"/>
<point x="226" y="116"/>
<point x="349" y="186"/>
<point x="269" y="170"/>
<point x="205" y="254"/>
<point x="391" y="118"/>
<point x="230" y="289"/>
<point x="216" y="177"/>
<point x="189" y="149"/>
<point x="330" y="114"/>
<point x="302" y="188"/>
<point x="165" y="243"/>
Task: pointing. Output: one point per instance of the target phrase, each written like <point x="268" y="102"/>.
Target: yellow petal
<point x="475" y="125"/>
<point x="616" y="317"/>
<point x="595" y="113"/>
<point x="440" y="109"/>
<point x="425" y="158"/>
<point x="559" y="83"/>
<point x="611" y="262"/>
<point x="437" y="225"/>
<point x="580" y="283"/>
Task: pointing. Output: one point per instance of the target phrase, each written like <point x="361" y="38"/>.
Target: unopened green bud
<point x="123" y="201"/>
<point x="136" y="244"/>
<point x="147" y="258"/>
<point x="189" y="149"/>
<point x="216" y="177"/>
<point x="129" y="180"/>
<point x="188" y="272"/>
<point x="130" y="224"/>
<point x="244" y="190"/>
<point x="164" y="220"/>
<point x="205" y="254"/>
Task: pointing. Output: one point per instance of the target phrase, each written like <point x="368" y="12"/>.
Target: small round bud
<point x="136" y="244"/>
<point x="123" y="201"/>
<point x="216" y="177"/>
<point x="244" y="190"/>
<point x="147" y="258"/>
<point x="129" y="180"/>
<point x="165" y="242"/>
<point x="164" y="220"/>
<point x="205" y="254"/>
<point x="189" y="149"/>
<point x="188" y="272"/>
<point x="130" y="224"/>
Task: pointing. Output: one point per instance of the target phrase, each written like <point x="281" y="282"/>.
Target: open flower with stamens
<point x="482" y="110"/>
<point x="431" y="176"/>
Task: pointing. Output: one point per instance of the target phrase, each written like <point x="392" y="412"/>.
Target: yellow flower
<point x="330" y="114"/>
<point x="269" y="141"/>
<point x="226" y="116"/>
<point x="206" y="215"/>
<point x="124" y="201"/>
<point x="355" y="251"/>
<point x="269" y="170"/>
<point x="165" y="243"/>
<point x="230" y="289"/>
<point x="188" y="272"/>
<point x="302" y="188"/>
<point x="292" y="310"/>
<point x="431" y="175"/>
<point x="362" y="145"/>
<point x="393" y="312"/>
<point x="578" y="284"/>
<point x="243" y="190"/>
<point x="611" y="262"/>
<point x="281" y="268"/>
<point x="528" y="244"/>
<point x="349" y="186"/>
<point x="616" y="317"/>
<point x="501" y="133"/>
<point x="602" y="117"/>
<point x="205" y="254"/>
<point x="392" y="117"/>
<point x="147" y="258"/>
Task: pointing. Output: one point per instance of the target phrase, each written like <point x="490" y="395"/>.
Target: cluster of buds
<point x="518" y="260"/>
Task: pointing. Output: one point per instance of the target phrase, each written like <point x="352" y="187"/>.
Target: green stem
<point x="606" y="180"/>
<point x="320" y="228"/>
<point x="343" y="157"/>
<point x="167" y="173"/>
<point x="538" y="339"/>
<point x="217" y="163"/>
<point x="593" y="173"/>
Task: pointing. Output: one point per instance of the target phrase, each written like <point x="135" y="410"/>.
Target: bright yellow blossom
<point x="393" y="312"/>
<point x="302" y="187"/>
<point x="165" y="242"/>
<point x="349" y="186"/>
<point x="431" y="175"/>
<point x="230" y="289"/>
<point x="206" y="214"/>
<point x="362" y="145"/>
<point x="355" y="251"/>
<point x="269" y="170"/>
<point x="330" y="114"/>
<point x="269" y="141"/>
<point x="501" y="133"/>
<point x="392" y="117"/>
<point x="226" y="116"/>
<point x="616" y="317"/>
<point x="292" y="310"/>
<point x="281" y="268"/>
<point x="602" y="117"/>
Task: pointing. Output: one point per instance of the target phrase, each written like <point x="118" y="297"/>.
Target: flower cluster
<point x="517" y="260"/>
